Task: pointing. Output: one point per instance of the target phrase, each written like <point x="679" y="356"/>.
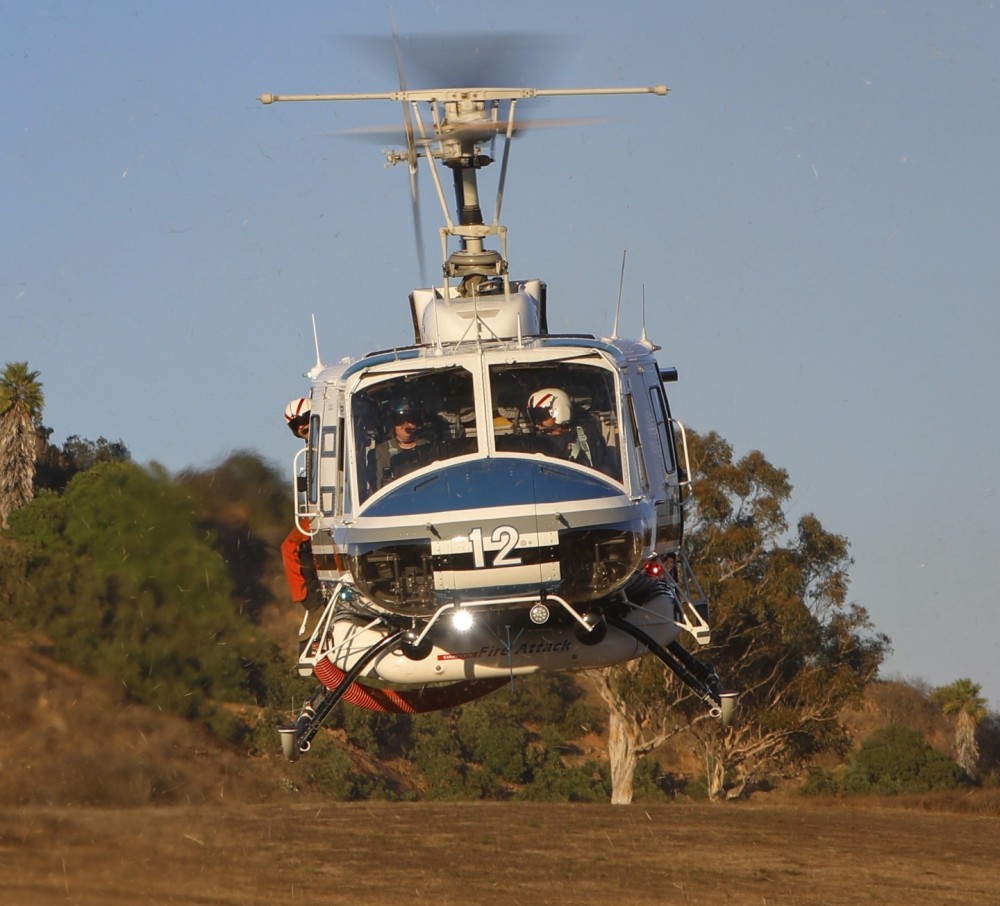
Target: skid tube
<point x="701" y="678"/>
<point x="297" y="738"/>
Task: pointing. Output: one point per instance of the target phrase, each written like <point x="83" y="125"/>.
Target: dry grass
<point x="499" y="853"/>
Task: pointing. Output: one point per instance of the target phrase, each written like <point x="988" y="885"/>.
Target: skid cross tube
<point x="701" y="678"/>
<point x="317" y="709"/>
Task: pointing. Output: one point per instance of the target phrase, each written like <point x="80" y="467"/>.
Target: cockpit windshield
<point x="565" y="410"/>
<point x="406" y="422"/>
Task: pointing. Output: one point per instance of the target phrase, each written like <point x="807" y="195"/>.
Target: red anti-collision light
<point x="654" y="569"/>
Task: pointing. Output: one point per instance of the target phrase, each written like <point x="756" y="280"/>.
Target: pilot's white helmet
<point x="297" y="409"/>
<point x="297" y="415"/>
<point x="550" y="401"/>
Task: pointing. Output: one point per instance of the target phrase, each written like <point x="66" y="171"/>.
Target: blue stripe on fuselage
<point x="483" y="483"/>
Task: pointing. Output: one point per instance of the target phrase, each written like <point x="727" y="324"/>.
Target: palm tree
<point x="21" y="401"/>
<point x="962" y="699"/>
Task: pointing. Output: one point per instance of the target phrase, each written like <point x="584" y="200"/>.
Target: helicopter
<point x="492" y="499"/>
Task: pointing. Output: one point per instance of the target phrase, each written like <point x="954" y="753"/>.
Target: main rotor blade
<point x="411" y="148"/>
<point x="472" y="58"/>
<point x="480" y="131"/>
<point x="418" y="231"/>
<point x="411" y="154"/>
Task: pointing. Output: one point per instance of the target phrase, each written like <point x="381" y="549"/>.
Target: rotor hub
<point x="472" y="262"/>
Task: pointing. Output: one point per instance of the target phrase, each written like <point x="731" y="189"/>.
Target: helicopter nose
<point x="488" y="527"/>
<point x="490" y="484"/>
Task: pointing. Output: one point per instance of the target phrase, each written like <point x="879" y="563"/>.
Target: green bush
<point x="897" y="759"/>
<point x="490" y="736"/>
<point x="893" y="760"/>
<point x="436" y="753"/>
<point x="650" y="782"/>
<point x="818" y="782"/>
<point x="331" y="771"/>
<point x="556" y="781"/>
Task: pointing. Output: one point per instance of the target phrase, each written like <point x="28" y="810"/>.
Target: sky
<point x="812" y="215"/>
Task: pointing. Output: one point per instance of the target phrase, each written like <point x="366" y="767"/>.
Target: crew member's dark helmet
<point x="402" y="408"/>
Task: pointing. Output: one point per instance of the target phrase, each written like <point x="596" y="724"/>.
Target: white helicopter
<point x="492" y="500"/>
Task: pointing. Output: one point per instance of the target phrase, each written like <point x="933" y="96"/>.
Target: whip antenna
<point x="318" y="367"/>
<point x="618" y="307"/>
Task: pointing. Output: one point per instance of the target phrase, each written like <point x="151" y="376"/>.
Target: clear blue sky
<point x="814" y="212"/>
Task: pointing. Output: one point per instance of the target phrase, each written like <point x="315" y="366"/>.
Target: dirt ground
<point x="510" y="853"/>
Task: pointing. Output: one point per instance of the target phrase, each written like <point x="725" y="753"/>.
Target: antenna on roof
<point x="318" y="367"/>
<point x="618" y="307"/>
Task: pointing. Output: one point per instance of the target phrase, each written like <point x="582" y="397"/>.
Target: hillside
<point x="70" y="739"/>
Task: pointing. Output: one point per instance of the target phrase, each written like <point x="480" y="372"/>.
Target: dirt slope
<point x="66" y="739"/>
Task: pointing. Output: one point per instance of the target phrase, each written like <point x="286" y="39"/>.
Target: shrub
<point x="490" y="736"/>
<point x="897" y="759"/>
<point x="555" y="781"/>
<point x="894" y="759"/>
<point x="332" y="772"/>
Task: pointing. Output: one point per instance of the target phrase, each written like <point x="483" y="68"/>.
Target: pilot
<point x="296" y="549"/>
<point x="401" y="451"/>
<point x="558" y="433"/>
<point x="297" y="414"/>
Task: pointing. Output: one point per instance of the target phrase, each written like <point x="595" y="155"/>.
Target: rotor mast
<point x="462" y="119"/>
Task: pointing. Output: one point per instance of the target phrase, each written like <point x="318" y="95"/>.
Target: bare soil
<point x="374" y="853"/>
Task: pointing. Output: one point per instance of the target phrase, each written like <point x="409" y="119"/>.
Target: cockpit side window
<point x="312" y="460"/>
<point x="563" y="410"/>
<point x="406" y="422"/>
<point x="661" y="415"/>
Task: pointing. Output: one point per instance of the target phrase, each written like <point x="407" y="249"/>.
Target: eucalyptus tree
<point x="783" y="633"/>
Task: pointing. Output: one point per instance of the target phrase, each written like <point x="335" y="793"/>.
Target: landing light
<point x="539" y="614"/>
<point x="462" y="620"/>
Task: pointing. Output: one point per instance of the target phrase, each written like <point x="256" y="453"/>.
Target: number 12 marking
<point x="503" y="540"/>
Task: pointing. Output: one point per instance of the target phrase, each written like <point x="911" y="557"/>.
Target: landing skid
<point x="296" y="738"/>
<point x="701" y="678"/>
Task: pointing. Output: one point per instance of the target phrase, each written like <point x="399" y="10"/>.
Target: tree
<point x="55" y="466"/>
<point x="962" y="699"/>
<point x="244" y="503"/>
<point x="125" y="582"/>
<point x="783" y="633"/>
<point x="639" y="718"/>
<point x="21" y="402"/>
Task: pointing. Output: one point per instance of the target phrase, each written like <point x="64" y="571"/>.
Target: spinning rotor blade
<point x="411" y="148"/>
<point x="473" y="58"/>
<point x="411" y="156"/>
<point x="482" y="131"/>
<point x="417" y="225"/>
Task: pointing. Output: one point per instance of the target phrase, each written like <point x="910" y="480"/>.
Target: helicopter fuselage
<point x="496" y="543"/>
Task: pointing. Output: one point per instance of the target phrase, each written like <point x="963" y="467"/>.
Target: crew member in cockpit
<point x="401" y="451"/>
<point x="559" y="433"/>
